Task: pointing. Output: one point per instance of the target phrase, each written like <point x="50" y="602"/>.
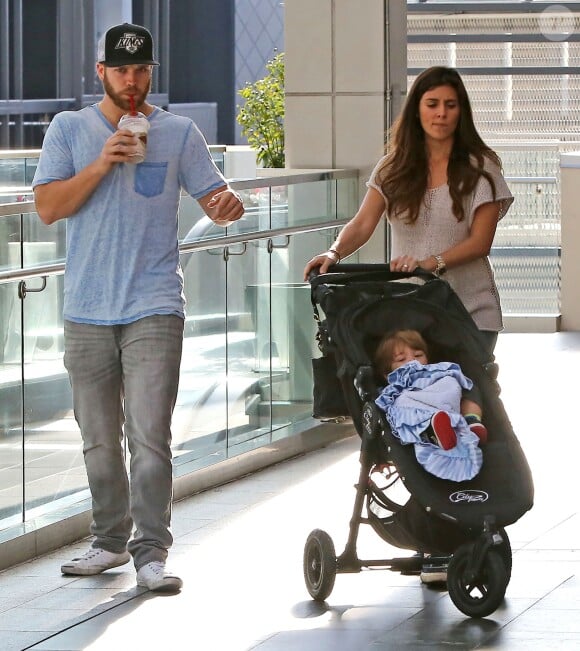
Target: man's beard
<point x="125" y="104"/>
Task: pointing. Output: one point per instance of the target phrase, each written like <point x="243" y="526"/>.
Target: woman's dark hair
<point x="404" y="175"/>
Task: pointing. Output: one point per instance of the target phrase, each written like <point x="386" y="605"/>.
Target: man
<point x="123" y="297"/>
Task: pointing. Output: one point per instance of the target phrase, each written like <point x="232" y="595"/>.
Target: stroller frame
<point x="481" y="561"/>
<point x="321" y="565"/>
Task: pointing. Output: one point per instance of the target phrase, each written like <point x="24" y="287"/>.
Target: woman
<point x="443" y="193"/>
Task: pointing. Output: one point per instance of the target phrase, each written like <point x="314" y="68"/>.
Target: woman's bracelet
<point x="440" y="266"/>
<point x="336" y="253"/>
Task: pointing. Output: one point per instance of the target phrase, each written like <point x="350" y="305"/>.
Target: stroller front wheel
<point x="319" y="564"/>
<point x="505" y="551"/>
<point x="480" y="595"/>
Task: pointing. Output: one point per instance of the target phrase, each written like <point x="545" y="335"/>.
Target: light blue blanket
<point x="413" y="394"/>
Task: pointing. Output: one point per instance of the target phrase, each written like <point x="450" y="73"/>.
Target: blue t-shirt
<point x="122" y="260"/>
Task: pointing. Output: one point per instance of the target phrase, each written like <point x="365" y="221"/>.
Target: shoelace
<point x="88" y="555"/>
<point x="92" y="553"/>
<point x="157" y="567"/>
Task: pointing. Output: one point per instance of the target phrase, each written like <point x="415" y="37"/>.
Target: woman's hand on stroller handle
<point x="320" y="264"/>
<point x="347" y="272"/>
<point x="404" y="264"/>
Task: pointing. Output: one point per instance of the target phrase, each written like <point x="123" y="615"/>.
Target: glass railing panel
<point x="194" y="224"/>
<point x="11" y="385"/>
<point x="25" y="241"/>
<point x="11" y="411"/>
<point x="217" y="154"/>
<point x="43" y="244"/>
<point x="274" y="207"/>
<point x="54" y="467"/>
<point x="293" y="330"/>
<point x="200" y="416"/>
<point x="16" y="174"/>
<point x="257" y="216"/>
<point x="346" y="197"/>
<point x="30" y="165"/>
<point x="249" y="346"/>
<point x="308" y="203"/>
<point x="280" y="198"/>
<point x="12" y="170"/>
<point x="10" y="250"/>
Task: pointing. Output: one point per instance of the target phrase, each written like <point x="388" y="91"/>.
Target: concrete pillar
<point x="570" y="238"/>
<point x="345" y="76"/>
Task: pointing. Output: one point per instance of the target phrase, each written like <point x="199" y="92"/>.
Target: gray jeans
<point x="124" y="381"/>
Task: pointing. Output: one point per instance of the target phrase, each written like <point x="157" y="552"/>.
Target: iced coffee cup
<point x="139" y="125"/>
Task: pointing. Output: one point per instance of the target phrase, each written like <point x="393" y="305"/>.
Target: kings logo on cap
<point x="130" y="42"/>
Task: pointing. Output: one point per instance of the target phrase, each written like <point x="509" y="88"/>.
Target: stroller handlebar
<point x="340" y="274"/>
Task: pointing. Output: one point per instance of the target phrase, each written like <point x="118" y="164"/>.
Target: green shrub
<point x="262" y="115"/>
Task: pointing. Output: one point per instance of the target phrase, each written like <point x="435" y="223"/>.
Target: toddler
<point x="399" y="348"/>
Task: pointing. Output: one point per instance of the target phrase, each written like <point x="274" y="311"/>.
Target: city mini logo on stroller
<point x="464" y="520"/>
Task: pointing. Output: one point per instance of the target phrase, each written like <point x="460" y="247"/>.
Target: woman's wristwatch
<point x="441" y="266"/>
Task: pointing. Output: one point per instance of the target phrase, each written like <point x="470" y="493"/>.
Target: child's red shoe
<point x="480" y="430"/>
<point x="443" y="431"/>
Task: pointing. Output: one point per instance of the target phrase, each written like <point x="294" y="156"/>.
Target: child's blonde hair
<point x="385" y="350"/>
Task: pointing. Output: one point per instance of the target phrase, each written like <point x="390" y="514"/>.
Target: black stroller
<point x="465" y="520"/>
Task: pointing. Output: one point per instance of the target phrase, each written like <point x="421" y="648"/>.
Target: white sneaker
<point x="95" y="561"/>
<point x="434" y="574"/>
<point x="155" y="577"/>
<point x="435" y="570"/>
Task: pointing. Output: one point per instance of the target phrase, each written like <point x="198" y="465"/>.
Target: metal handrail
<point x="285" y="177"/>
<point x="186" y="247"/>
<point x="16" y="208"/>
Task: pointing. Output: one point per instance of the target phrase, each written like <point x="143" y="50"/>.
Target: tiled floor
<point x="239" y="550"/>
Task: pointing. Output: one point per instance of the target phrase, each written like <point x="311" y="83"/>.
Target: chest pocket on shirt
<point x="150" y="178"/>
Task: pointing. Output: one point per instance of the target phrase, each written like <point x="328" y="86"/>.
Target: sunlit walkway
<point x="239" y="550"/>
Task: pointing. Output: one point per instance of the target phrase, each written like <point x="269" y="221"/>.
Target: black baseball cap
<point x="125" y="44"/>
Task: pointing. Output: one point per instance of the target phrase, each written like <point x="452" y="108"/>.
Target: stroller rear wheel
<point x="319" y="564"/>
<point x="479" y="595"/>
